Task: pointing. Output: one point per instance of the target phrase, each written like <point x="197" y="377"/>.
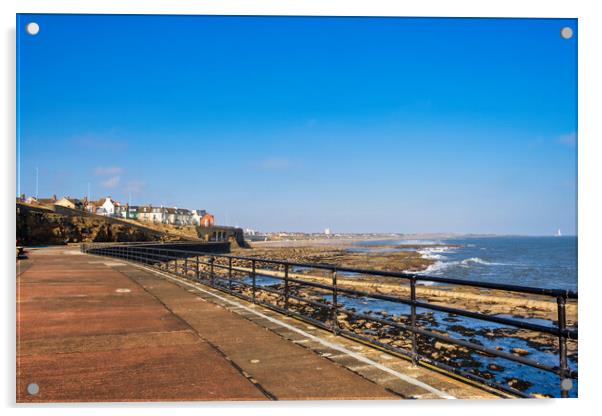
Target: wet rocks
<point x="448" y="347"/>
<point x="463" y="330"/>
<point x="518" y="384"/>
<point x="520" y="351"/>
<point x="450" y="319"/>
<point x="495" y="367"/>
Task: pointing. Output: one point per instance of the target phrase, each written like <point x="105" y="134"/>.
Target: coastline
<point x="334" y="242"/>
<point x="537" y="309"/>
<point x="335" y="251"/>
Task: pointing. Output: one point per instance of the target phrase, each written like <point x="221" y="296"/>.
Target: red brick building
<point x="207" y="220"/>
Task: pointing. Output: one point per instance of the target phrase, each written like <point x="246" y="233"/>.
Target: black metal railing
<point x="306" y="297"/>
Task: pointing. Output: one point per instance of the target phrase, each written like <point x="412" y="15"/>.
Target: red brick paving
<point x="80" y="340"/>
<point x="88" y="332"/>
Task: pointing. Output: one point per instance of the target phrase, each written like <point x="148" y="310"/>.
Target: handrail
<point x="157" y="256"/>
<point x="568" y="294"/>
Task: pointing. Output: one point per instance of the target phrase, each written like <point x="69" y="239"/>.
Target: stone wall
<point x="222" y="233"/>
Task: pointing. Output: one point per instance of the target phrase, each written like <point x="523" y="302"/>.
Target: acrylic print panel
<point x="292" y="208"/>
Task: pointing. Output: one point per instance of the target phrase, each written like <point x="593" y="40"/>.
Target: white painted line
<point x="107" y="263"/>
<point x="334" y="346"/>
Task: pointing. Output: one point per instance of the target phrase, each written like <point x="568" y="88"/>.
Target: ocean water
<point x="547" y="262"/>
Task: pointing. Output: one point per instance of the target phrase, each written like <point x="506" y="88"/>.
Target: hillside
<point x="57" y="225"/>
<point x="188" y="232"/>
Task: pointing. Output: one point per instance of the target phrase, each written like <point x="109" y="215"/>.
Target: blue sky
<point x="292" y="123"/>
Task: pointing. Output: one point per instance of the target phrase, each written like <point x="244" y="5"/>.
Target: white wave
<point x="478" y="260"/>
<point x="437" y="267"/>
<point x="434" y="253"/>
<point x="417" y="242"/>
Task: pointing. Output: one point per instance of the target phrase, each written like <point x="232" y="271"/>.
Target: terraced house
<point x="175" y="216"/>
<point x="112" y="208"/>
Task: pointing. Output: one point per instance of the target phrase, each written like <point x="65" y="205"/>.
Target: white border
<point x="590" y="207"/>
<point x="467" y="8"/>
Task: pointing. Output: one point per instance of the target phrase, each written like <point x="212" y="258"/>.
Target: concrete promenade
<point x="97" y="329"/>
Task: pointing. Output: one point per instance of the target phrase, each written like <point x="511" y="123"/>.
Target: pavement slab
<point x="93" y="330"/>
<point x="80" y="339"/>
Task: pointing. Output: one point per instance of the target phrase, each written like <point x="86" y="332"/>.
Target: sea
<point x="545" y="262"/>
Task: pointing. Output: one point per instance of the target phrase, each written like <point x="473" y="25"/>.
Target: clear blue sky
<point x="291" y="123"/>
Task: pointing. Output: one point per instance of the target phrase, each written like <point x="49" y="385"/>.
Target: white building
<point x="106" y="206"/>
<point x="152" y="214"/>
<point x="170" y="215"/>
<point x="68" y="202"/>
<point x="183" y="216"/>
<point x="197" y="214"/>
<point x="157" y="214"/>
<point x="327" y="231"/>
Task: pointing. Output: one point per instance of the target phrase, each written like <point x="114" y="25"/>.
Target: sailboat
<point x="558" y="233"/>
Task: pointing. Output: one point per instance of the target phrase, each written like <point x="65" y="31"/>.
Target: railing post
<point x="211" y="260"/>
<point x="565" y="383"/>
<point x="286" y="287"/>
<point x="254" y="279"/>
<point x="186" y="267"/>
<point x="413" y="318"/>
<point x="230" y="274"/>
<point x="335" y="325"/>
<point x="197" y="269"/>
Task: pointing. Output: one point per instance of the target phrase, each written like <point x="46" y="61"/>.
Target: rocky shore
<point x="480" y="364"/>
<point x="340" y="254"/>
<point x="481" y="300"/>
<point x="520" y="342"/>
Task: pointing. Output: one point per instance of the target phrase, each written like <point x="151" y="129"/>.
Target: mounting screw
<point x="566" y="384"/>
<point x="566" y="32"/>
<point x="33" y="389"/>
<point x="32" y="28"/>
